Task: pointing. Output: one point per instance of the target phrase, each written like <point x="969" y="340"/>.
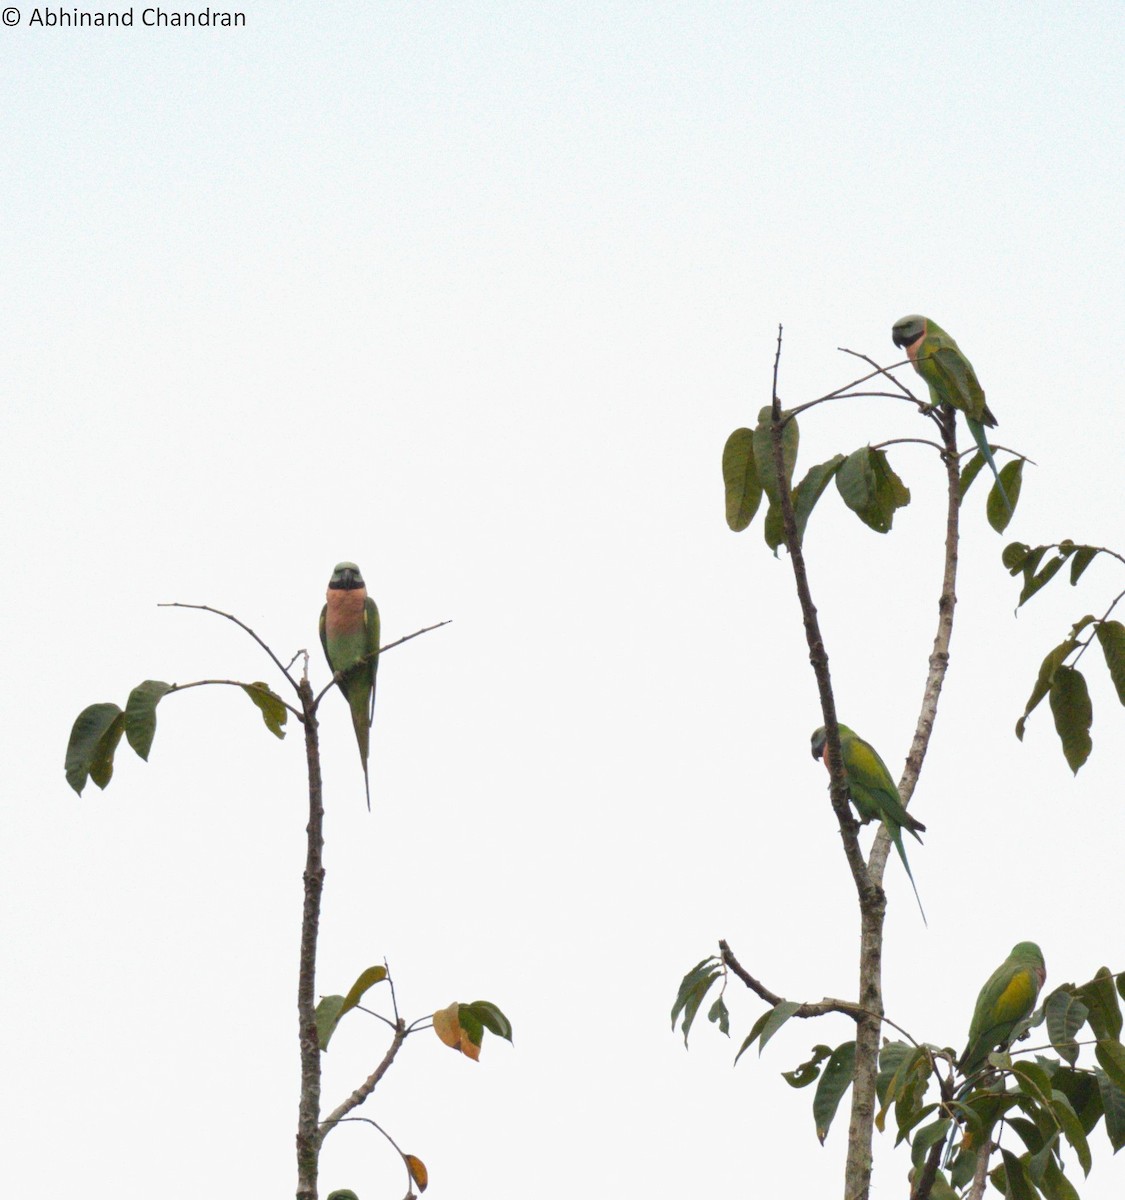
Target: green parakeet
<point x="950" y="378"/>
<point x="1005" y="1000"/>
<point x="349" y="632"/>
<point x="873" y="792"/>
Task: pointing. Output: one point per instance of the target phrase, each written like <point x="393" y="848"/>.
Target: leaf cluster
<point x="864" y="479"/>
<point x="96" y="732"/>
<point x="1046" y="1103"/>
<point x="1059" y="678"/>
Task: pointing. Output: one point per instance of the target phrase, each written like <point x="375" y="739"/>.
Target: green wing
<point x="963" y="387"/>
<point x="1004" y="1001"/>
<point x="371" y="630"/>
<point x="324" y="633"/>
<point x="868" y="775"/>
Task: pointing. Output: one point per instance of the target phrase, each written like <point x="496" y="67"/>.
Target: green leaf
<point x="1031" y="1134"/>
<point x="471" y="1023"/>
<point x="367" y="979"/>
<point x="1032" y="583"/>
<point x="1014" y="556"/>
<point x="969" y="472"/>
<point x="964" y="1167"/>
<point x="892" y="1055"/>
<point x="810" y="490"/>
<point x="140" y="714"/>
<point x="1073" y="713"/>
<point x="693" y="987"/>
<point x="803" y="1075"/>
<point x="763" y="451"/>
<point x="93" y="739"/>
<point x="1055" y="1185"/>
<point x="490" y="1017"/>
<point x="328" y="1013"/>
<point x="1042" y="686"/>
<point x="901" y="1086"/>
<point x="1100" y="996"/>
<point x="1113" y="1105"/>
<point x="834" y="1082"/>
<point x="1037" y="1163"/>
<point x="1083" y="557"/>
<point x="1081" y="1090"/>
<point x="1065" y="1016"/>
<point x="778" y="1015"/>
<point x="926" y="1137"/>
<point x="1072" y="1128"/>
<point x="273" y="710"/>
<point x="871" y="489"/>
<point x="1111" y="635"/>
<point x="1019" y="1187"/>
<point x="1011" y="479"/>
<point x="752" y="1036"/>
<point x="740" y="479"/>
<point x="855" y="480"/>
<point x="1111" y="1055"/>
<point x="774" y="528"/>
<point x="1035" y="1080"/>
<point x="717" y="1014"/>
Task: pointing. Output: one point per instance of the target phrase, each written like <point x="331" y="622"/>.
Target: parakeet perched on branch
<point x="873" y="791"/>
<point x="950" y="377"/>
<point x="1005" y="1000"/>
<point x="349" y="633"/>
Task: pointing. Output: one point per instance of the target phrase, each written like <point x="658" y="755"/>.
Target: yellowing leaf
<point x="418" y="1172"/>
<point x="446" y="1025"/>
<point x="451" y="1030"/>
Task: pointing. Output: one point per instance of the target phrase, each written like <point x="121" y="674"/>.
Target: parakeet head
<point x="346" y="576"/>
<point x="1029" y="952"/>
<point x="820" y="738"/>
<point x="907" y="330"/>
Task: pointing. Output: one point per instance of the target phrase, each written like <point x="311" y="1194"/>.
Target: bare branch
<point x="308" y="1133"/>
<point x="819" y="1008"/>
<point x="242" y="625"/>
<point x="369" y="1084"/>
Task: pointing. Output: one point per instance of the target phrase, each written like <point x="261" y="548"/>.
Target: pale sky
<point x="473" y="294"/>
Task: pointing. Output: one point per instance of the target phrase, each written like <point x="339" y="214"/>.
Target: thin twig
<point x="183" y="687"/>
<point x="906" y="441"/>
<point x="1101" y="621"/>
<point x="818" y="1008"/>
<point x="242" y="625"/>
<point x="338" y="676"/>
<point x="369" y="1084"/>
<point x="405" y="1163"/>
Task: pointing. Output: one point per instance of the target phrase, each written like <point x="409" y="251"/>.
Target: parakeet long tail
<point x="981" y="439"/>
<point x="362" y="727"/>
<point x="896" y="837"/>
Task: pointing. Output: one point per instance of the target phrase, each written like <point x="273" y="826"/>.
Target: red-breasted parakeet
<point x="1005" y="1000"/>
<point x="950" y="377"/>
<point x="873" y="791"/>
<point x="349" y="632"/>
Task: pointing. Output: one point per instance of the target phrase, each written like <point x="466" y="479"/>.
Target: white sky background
<point x="473" y="294"/>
